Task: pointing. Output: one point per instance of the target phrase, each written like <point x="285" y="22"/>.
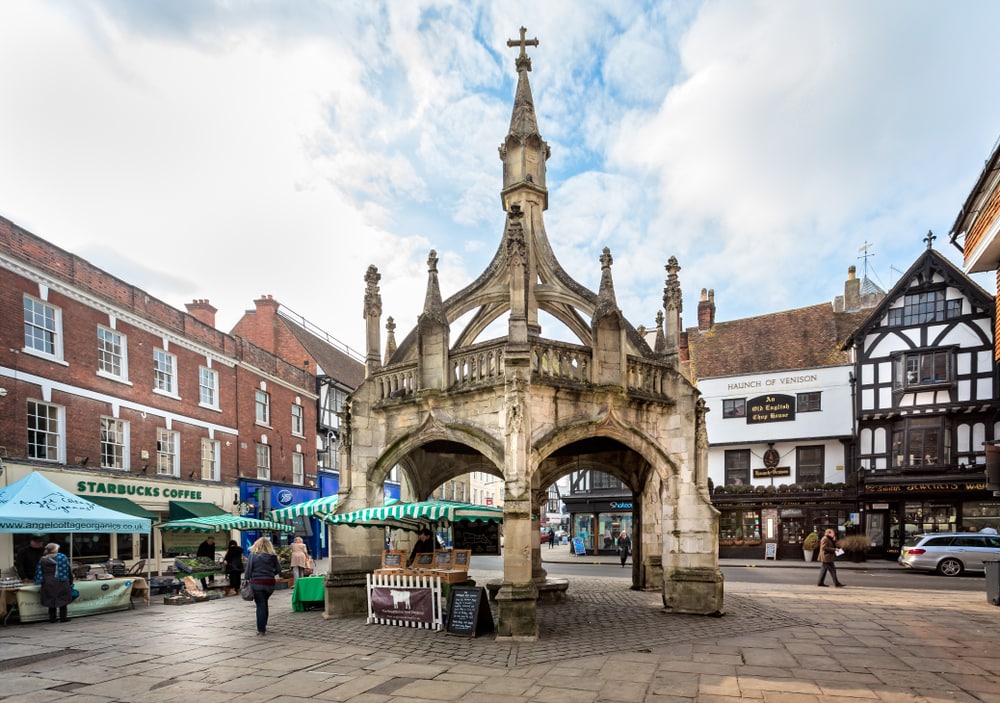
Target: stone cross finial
<point x="930" y="239"/>
<point x="522" y="42"/>
<point x="606" y="258"/>
<point x="432" y="261"/>
<point x="373" y="300"/>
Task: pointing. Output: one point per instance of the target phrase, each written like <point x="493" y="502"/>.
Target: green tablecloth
<point x="308" y="589"/>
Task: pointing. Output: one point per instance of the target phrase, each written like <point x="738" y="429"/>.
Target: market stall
<point x="36" y="504"/>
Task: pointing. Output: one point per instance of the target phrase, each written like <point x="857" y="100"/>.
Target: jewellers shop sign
<point x="773" y="407"/>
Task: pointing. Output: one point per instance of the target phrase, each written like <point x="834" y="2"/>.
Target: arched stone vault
<point x="531" y="409"/>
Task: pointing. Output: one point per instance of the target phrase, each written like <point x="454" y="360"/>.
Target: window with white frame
<point x="209" y="459"/>
<point x="262" y="402"/>
<point x="208" y="387"/>
<point x="298" y="420"/>
<point x="298" y="468"/>
<point x="164" y="372"/>
<point x="809" y="464"/>
<point x="166" y="452"/>
<point x="737" y="467"/>
<point x="264" y="461"/>
<point x="42" y="328"/>
<point x="111" y="354"/>
<point x="45" y="431"/>
<point x="114" y="443"/>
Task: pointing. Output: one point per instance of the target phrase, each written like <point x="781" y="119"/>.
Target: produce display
<point x="195" y="564"/>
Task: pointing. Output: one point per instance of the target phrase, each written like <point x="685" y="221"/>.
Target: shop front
<point x="258" y="498"/>
<point x="158" y="500"/>
<point x="598" y="523"/>
<point x="894" y="512"/>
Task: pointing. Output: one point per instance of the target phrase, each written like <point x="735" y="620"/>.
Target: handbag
<point x="308" y="568"/>
<point x="246" y="589"/>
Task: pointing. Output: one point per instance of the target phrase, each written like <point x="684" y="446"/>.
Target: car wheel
<point x="949" y="567"/>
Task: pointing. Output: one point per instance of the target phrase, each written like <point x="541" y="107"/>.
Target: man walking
<point x="827" y="556"/>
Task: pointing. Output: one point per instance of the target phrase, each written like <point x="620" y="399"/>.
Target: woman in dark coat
<point x="56" y="579"/>
<point x="624" y="547"/>
<point x="234" y="567"/>
<point x="263" y="568"/>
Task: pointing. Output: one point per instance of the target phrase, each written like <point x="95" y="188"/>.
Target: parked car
<point x="950" y="553"/>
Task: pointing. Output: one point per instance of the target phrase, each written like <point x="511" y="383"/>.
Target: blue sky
<point x="224" y="150"/>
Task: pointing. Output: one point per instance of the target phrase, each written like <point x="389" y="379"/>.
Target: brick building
<point x="118" y="396"/>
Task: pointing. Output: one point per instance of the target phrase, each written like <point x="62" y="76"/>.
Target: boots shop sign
<point x="773" y="407"/>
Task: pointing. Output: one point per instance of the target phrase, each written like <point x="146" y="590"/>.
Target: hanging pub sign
<point x="773" y="407"/>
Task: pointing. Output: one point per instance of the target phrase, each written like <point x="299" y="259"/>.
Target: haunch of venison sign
<point x="770" y="408"/>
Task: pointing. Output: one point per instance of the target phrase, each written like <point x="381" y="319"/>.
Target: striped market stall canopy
<point x="413" y="516"/>
<point x="318" y="507"/>
<point x="220" y="523"/>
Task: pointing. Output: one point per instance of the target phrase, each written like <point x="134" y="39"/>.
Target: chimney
<point x="852" y="291"/>
<point x="267" y="304"/>
<point x="202" y="311"/>
<point x="706" y="310"/>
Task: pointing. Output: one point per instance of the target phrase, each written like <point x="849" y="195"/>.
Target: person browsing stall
<point x="56" y="580"/>
<point x="206" y="549"/>
<point x="424" y="545"/>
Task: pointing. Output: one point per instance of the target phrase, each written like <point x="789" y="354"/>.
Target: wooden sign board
<point x="394" y="559"/>
<point x="442" y="558"/>
<point x="469" y="611"/>
<point x="424" y="560"/>
<point x="461" y="558"/>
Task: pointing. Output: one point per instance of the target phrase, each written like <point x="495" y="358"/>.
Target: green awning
<point x="122" y="505"/>
<point x="185" y="509"/>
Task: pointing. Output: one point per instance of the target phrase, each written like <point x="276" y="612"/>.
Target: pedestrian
<point x="827" y="554"/>
<point x="234" y="567"/>
<point x="300" y="559"/>
<point x="262" y="570"/>
<point x="552" y="538"/>
<point x="56" y="580"/>
<point x="624" y="546"/>
<point x="207" y="550"/>
<point x="27" y="557"/>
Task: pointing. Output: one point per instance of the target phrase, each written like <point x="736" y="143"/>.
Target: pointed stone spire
<point x="390" y="338"/>
<point x="523" y="152"/>
<point x="433" y="308"/>
<point x="373" y="313"/>
<point x="661" y="342"/>
<point x="606" y="303"/>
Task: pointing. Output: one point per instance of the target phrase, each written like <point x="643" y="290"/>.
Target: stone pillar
<point x="518" y="595"/>
<point x="539" y="498"/>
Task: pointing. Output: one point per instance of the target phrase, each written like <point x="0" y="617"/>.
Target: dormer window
<point x="924" y="308"/>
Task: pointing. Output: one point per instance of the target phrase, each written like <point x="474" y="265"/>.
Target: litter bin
<point x="992" y="582"/>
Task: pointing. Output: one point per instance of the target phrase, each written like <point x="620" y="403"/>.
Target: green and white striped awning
<point x="221" y="523"/>
<point x="317" y="507"/>
<point x="413" y="516"/>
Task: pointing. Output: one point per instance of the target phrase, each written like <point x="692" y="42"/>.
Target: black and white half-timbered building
<point x="925" y="402"/>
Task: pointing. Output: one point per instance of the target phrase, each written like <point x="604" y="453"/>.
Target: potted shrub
<point x="855" y="546"/>
<point x="809" y="546"/>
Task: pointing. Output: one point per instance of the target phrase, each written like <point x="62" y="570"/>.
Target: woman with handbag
<point x="300" y="559"/>
<point x="56" y="579"/>
<point x="262" y="570"/>
<point x="234" y="567"/>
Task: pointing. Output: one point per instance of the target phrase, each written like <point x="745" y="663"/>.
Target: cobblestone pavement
<point x="606" y="643"/>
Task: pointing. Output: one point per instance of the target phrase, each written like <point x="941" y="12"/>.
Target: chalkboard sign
<point x="393" y="559"/>
<point x="424" y="559"/>
<point x="771" y="551"/>
<point x="442" y="557"/>
<point x="462" y="557"/>
<point x="468" y="611"/>
<point x="578" y="547"/>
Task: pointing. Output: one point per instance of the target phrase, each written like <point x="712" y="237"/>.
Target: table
<point x="102" y="596"/>
<point x="308" y="590"/>
<point x="8" y="599"/>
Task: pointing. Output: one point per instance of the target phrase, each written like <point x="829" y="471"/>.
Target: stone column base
<point x="518" y="612"/>
<point x="652" y="567"/>
<point x="694" y="591"/>
<point x="346" y="585"/>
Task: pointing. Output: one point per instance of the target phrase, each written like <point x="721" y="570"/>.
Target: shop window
<point x="583" y="528"/>
<point x="928" y="516"/>
<point x="611" y="525"/>
<point x="739" y="528"/>
<point x="734" y="407"/>
<point x="980" y="514"/>
<point x="921" y="441"/>
<point x="738" y="467"/>
<point x="809" y="464"/>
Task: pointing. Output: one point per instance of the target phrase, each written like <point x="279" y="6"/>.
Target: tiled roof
<point x="792" y="339"/>
<point x="333" y="362"/>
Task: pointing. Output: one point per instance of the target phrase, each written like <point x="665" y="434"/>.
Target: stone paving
<point x="605" y="643"/>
